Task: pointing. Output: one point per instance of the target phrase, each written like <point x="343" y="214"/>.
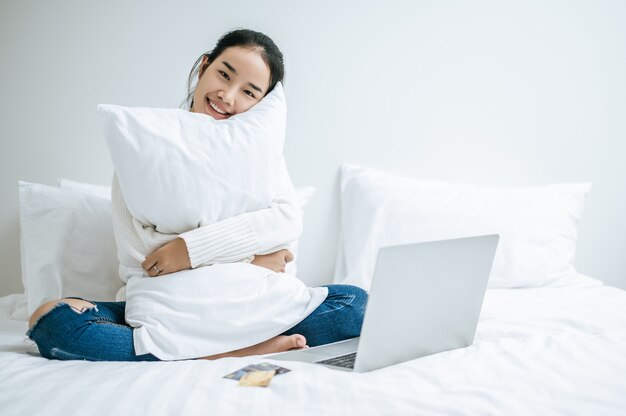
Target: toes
<point x="301" y="341"/>
<point x="298" y="341"/>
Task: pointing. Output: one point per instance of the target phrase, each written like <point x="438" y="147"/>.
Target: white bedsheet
<point x="537" y="351"/>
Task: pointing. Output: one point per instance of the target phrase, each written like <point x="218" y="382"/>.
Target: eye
<point x="250" y="93"/>
<point x="224" y="74"/>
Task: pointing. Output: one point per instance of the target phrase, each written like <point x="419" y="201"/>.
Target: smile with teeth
<point x="216" y="108"/>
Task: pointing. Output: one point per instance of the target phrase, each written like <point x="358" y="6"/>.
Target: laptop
<point x="425" y="298"/>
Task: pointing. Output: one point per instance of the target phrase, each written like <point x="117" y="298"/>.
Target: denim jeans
<point x="101" y="333"/>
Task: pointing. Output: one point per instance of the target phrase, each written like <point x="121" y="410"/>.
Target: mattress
<point x="536" y="351"/>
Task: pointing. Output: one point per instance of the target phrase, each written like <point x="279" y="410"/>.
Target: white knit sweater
<point x="235" y="239"/>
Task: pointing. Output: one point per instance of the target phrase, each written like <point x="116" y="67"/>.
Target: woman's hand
<point x="274" y="261"/>
<point x="170" y="258"/>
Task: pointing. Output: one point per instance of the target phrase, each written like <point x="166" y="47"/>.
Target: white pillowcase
<point x="179" y="170"/>
<point x="67" y="246"/>
<point x="304" y="196"/>
<point x="211" y="310"/>
<point x="102" y="191"/>
<point x="538" y="225"/>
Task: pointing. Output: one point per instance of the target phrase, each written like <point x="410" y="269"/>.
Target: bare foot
<point x="279" y="343"/>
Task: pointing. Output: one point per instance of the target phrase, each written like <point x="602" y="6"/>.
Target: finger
<point x="162" y="269"/>
<point x="148" y="263"/>
<point x="152" y="272"/>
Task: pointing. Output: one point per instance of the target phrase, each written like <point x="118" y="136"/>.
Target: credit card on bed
<point x="236" y="375"/>
<point x="257" y="378"/>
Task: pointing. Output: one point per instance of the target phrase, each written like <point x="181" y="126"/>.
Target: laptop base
<point x="319" y="353"/>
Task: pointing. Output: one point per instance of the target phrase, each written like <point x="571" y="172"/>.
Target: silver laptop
<point x="425" y="298"/>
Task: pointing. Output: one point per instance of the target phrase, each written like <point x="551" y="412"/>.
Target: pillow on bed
<point x="538" y="225"/>
<point x="67" y="246"/>
<point x="179" y="170"/>
<point x="102" y="191"/>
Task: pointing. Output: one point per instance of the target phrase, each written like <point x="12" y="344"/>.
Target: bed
<point x="536" y="351"/>
<point x="550" y="340"/>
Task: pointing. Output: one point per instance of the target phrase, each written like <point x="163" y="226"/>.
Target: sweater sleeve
<point x="134" y="240"/>
<point x="240" y="237"/>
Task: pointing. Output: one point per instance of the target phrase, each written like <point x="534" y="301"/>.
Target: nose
<point x="227" y="97"/>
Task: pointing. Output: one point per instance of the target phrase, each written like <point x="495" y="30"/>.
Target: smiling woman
<point x="223" y="91"/>
<point x="235" y="75"/>
<point x="240" y="71"/>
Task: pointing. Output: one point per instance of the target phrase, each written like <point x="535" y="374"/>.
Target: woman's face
<point x="235" y="81"/>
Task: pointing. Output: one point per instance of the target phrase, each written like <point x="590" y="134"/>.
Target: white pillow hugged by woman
<point x="251" y="306"/>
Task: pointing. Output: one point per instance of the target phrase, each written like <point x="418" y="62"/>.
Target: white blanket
<point x="215" y="309"/>
<point x="543" y="351"/>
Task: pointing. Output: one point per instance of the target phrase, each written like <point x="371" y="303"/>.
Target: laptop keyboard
<point x="346" y="361"/>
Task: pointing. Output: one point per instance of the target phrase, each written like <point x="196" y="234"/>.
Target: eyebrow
<point x="229" y="66"/>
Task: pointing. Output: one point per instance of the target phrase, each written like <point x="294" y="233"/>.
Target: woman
<point x="242" y="68"/>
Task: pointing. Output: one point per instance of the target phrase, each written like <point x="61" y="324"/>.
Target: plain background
<point x="482" y="92"/>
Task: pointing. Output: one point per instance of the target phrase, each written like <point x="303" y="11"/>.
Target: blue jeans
<point x="101" y="333"/>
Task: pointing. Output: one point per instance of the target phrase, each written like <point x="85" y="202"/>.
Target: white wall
<point x="487" y="92"/>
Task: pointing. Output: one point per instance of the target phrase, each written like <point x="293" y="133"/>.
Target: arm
<point x="234" y="239"/>
<point x="139" y="244"/>
<point x="260" y="232"/>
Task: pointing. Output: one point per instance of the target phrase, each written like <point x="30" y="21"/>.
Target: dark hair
<point x="266" y="47"/>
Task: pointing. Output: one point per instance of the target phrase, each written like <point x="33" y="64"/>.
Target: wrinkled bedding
<point x="537" y="351"/>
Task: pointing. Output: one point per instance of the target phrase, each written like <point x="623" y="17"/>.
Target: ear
<point x="203" y="66"/>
